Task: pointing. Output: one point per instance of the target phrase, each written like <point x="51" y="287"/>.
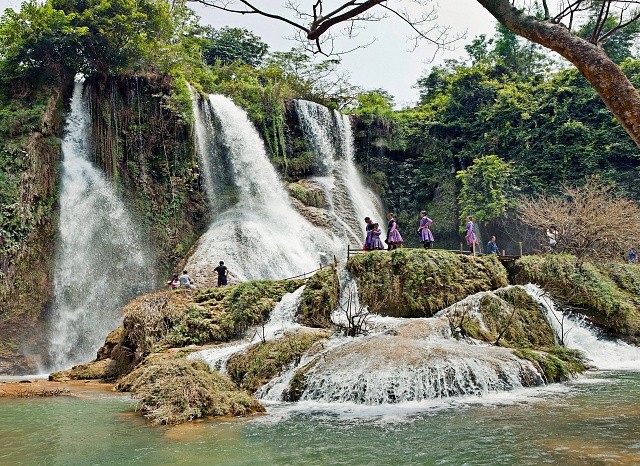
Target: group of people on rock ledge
<point x="394" y="238"/>
<point x="184" y="281"/>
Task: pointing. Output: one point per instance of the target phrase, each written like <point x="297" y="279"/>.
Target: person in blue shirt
<point x="492" y="247"/>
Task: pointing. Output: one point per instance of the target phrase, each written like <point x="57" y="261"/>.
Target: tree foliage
<point x="234" y="44"/>
<point x="487" y="189"/>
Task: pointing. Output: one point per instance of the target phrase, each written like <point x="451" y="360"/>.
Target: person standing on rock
<point x="394" y="239"/>
<point x="376" y="242"/>
<point x="367" y="240"/>
<point x="223" y="273"/>
<point x="470" y="236"/>
<point x="426" y="236"/>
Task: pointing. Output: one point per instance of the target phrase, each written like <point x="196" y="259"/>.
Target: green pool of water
<point x="593" y="420"/>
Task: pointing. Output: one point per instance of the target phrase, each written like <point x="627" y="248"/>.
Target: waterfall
<point x="281" y="320"/>
<point x="261" y="236"/>
<point x="418" y="360"/>
<point x="331" y="138"/>
<point x="101" y="261"/>
<point x="578" y="333"/>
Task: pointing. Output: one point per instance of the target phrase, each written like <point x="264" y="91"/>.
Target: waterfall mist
<point x="101" y="258"/>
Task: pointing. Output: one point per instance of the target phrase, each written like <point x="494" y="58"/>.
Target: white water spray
<point x="578" y="334"/>
<point x="100" y="258"/>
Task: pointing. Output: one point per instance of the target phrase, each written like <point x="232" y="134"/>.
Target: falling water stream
<point x="261" y="236"/>
<point x="350" y="201"/>
<point x="102" y="260"/>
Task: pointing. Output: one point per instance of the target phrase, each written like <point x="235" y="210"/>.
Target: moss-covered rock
<point x="163" y="319"/>
<point x="104" y="369"/>
<point x="262" y="362"/>
<point x="607" y="294"/>
<point x="142" y="139"/>
<point x="308" y="193"/>
<point x="30" y="127"/>
<point x="514" y="319"/>
<point x="557" y="364"/>
<point x="419" y="283"/>
<point x="319" y="299"/>
<point x="172" y="391"/>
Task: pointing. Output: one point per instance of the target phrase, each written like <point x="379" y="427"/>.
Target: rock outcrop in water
<point x="489" y="341"/>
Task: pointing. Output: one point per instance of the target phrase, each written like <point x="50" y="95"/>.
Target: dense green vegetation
<point x="541" y="127"/>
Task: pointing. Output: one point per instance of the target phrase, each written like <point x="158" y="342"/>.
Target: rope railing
<point x="352" y="251"/>
<point x="304" y="275"/>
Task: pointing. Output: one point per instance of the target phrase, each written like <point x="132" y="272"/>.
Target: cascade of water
<point x="399" y="367"/>
<point x="331" y="138"/>
<point x="281" y="320"/>
<point x="261" y="235"/>
<point x="101" y="260"/>
<point x="577" y="333"/>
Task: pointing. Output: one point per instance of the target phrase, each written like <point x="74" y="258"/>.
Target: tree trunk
<point x="608" y="80"/>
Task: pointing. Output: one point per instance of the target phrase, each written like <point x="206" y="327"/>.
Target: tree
<point x="592" y="220"/>
<point x="487" y="189"/>
<point x="552" y="30"/>
<point x="37" y="37"/>
<point x="234" y="44"/>
<point x="95" y="37"/>
<point x="374" y="104"/>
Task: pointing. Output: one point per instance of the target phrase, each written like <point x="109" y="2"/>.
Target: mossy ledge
<point x="262" y="362"/>
<point x="608" y="294"/>
<point x="419" y="283"/>
<point x="319" y="299"/>
<point x="166" y="319"/>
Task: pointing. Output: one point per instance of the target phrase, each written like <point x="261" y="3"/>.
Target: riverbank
<point x="31" y="387"/>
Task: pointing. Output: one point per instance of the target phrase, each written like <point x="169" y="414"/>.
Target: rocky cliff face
<point x="34" y="122"/>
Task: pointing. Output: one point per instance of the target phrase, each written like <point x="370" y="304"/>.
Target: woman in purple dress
<point x="367" y="240"/>
<point x="470" y="236"/>
<point x="394" y="239"/>
<point x="376" y="242"/>
<point x="426" y="237"/>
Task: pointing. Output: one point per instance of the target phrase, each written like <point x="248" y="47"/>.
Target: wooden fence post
<point x="520" y="242"/>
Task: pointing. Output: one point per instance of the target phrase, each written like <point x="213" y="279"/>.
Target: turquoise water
<point x="592" y="420"/>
